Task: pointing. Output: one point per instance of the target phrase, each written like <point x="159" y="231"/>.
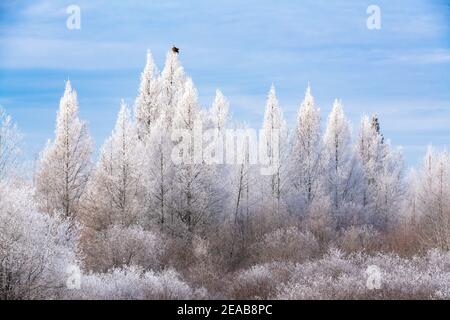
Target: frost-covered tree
<point x="9" y="144"/>
<point x="115" y="192"/>
<point x="244" y="179"/>
<point x="196" y="200"/>
<point x="432" y="199"/>
<point x="343" y="175"/>
<point x="147" y="106"/>
<point x="65" y="163"/>
<point x="390" y="188"/>
<point x="376" y="126"/>
<point x="216" y="121"/>
<point x="35" y="249"/>
<point x="219" y="112"/>
<point x="383" y="174"/>
<point x="371" y="153"/>
<point x="276" y="135"/>
<point x="215" y="124"/>
<point x="159" y="174"/>
<point x="245" y="197"/>
<point x="305" y="170"/>
<point x="172" y="84"/>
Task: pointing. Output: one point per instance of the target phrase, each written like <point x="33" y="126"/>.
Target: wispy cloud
<point x="431" y="57"/>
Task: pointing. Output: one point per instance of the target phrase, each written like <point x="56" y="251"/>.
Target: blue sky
<point x="401" y="72"/>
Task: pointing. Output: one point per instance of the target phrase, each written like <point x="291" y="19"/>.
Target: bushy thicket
<point x="135" y="283"/>
<point x="337" y="276"/>
<point x="285" y="263"/>
<point x="35" y="249"/>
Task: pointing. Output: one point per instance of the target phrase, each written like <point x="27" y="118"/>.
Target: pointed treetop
<point x="172" y="66"/>
<point x="308" y="89"/>
<point x="308" y="124"/>
<point x="68" y="86"/>
<point x="187" y="109"/>
<point x="309" y="99"/>
<point x="123" y="105"/>
<point x="219" y="94"/>
<point x="220" y="102"/>
<point x="150" y="67"/>
<point x="337" y="117"/>
<point x="219" y="110"/>
<point x="272" y="100"/>
<point x="172" y="55"/>
<point x="69" y="99"/>
<point x="273" y="116"/>
<point x="337" y="104"/>
<point x="272" y="91"/>
<point x="149" y="56"/>
<point x="375" y="123"/>
<point x="189" y="98"/>
<point x="190" y="93"/>
<point x="123" y="117"/>
<point x="376" y="126"/>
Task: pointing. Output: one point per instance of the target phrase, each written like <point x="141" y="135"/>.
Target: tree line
<point x="135" y="208"/>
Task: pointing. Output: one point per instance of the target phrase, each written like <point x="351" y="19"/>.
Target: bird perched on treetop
<point x="175" y="49"/>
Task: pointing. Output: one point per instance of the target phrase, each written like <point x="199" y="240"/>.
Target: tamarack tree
<point x="65" y="163"/>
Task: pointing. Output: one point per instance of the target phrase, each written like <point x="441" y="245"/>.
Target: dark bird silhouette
<point x="175" y="50"/>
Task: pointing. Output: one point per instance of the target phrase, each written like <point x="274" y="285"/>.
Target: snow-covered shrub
<point x="425" y="277"/>
<point x="35" y="249"/>
<point x="354" y="276"/>
<point x="331" y="277"/>
<point x="320" y="222"/>
<point x="260" y="281"/>
<point x="205" y="270"/>
<point x="124" y="246"/>
<point x="254" y="283"/>
<point x="359" y="238"/>
<point x="289" y="244"/>
<point x="267" y="280"/>
<point x="337" y="276"/>
<point x="133" y="282"/>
